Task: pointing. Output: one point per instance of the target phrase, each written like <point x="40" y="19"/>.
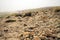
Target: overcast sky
<point x="13" y="5"/>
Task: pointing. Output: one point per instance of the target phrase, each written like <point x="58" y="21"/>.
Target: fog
<point x="14" y="5"/>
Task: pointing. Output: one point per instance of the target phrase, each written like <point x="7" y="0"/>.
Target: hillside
<point x="32" y="24"/>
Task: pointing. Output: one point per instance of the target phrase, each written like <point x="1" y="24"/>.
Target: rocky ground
<point x="34" y="24"/>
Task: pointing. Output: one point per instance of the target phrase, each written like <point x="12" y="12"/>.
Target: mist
<point x="15" y="5"/>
